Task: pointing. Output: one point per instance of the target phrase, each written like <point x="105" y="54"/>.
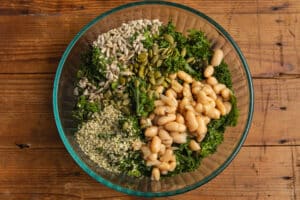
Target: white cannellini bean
<point x="152" y="156"/>
<point x="151" y="131"/>
<point x="155" y="144"/>
<point x="177" y="87"/>
<point x="180" y="118"/>
<point x="194" y="146"/>
<point x="208" y="90"/>
<point x="228" y="107"/>
<point x="159" y="89"/>
<point x="178" y="138"/>
<point x="172" y="166"/>
<point x="219" y="87"/>
<point x="221" y="106"/>
<point x="196" y="89"/>
<point x="202" y="98"/>
<point x="213" y="113"/>
<point x="146" y="151"/>
<point x="171" y="101"/>
<point x="226" y="93"/>
<point x="217" y="58"/>
<point x="206" y="119"/>
<point x="164" y="135"/>
<point x="160" y="110"/>
<point x="151" y="116"/>
<point x="165" y="119"/>
<point x="199" y="107"/>
<point x="164" y="166"/>
<point x="190" y="108"/>
<point x="167" y="156"/>
<point x="183" y="103"/>
<point x="196" y="84"/>
<point x="171" y="93"/>
<point x="155" y="175"/>
<point x="212" y="81"/>
<point x="202" y="129"/>
<point x="207" y="107"/>
<point x="170" y="110"/>
<point x="173" y="76"/>
<point x="186" y="91"/>
<point x="150" y="163"/>
<point x="191" y="121"/>
<point x="162" y="149"/>
<point x="184" y="76"/>
<point x="159" y="103"/>
<point x="209" y="71"/>
<point x="174" y="126"/>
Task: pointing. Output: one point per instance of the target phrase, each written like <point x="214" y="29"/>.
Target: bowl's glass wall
<point x="184" y="20"/>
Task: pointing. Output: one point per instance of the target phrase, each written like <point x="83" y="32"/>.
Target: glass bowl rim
<point x="127" y="190"/>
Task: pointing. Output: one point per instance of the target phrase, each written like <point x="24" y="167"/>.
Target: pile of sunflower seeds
<point x="123" y="42"/>
<point x="119" y="45"/>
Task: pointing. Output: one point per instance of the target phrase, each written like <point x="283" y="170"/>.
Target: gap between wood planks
<point x="42" y="8"/>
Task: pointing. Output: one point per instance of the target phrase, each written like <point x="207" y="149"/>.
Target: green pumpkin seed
<point x="163" y="57"/>
<point x="136" y="83"/>
<point x="145" y="62"/>
<point x="154" y="59"/>
<point x="157" y="74"/>
<point x="170" y="51"/>
<point x="168" y="80"/>
<point x="150" y="53"/>
<point x="165" y="84"/>
<point x="142" y="57"/>
<point x="169" y="38"/>
<point x="135" y="65"/>
<point x="190" y="59"/>
<point x="159" y="62"/>
<point x="160" y="81"/>
<point x="155" y="49"/>
<point x="122" y="80"/>
<point x="152" y="80"/>
<point x="183" y="52"/>
<point x="142" y="71"/>
<point x="164" y="52"/>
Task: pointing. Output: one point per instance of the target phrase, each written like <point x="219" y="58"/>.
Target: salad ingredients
<point x="152" y="101"/>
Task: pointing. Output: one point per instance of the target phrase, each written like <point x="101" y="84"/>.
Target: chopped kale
<point x="134" y="165"/>
<point x="223" y="74"/>
<point x="93" y="65"/>
<point x="84" y="109"/>
<point x="143" y="103"/>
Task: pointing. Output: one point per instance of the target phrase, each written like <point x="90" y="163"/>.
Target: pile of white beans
<point x="183" y="111"/>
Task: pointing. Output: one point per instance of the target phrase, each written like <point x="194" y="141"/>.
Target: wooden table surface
<point x="33" y="161"/>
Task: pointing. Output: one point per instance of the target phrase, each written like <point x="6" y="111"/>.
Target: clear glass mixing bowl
<point x="184" y="18"/>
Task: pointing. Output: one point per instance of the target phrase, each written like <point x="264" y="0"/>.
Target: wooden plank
<point x="296" y="171"/>
<point x="217" y="6"/>
<point x="23" y="94"/>
<point x="276" y="112"/>
<point x="251" y="175"/>
<point x="270" y="43"/>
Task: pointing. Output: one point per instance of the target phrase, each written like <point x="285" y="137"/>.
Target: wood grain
<point x="34" y="164"/>
<point x="251" y="175"/>
<point x="40" y="44"/>
<point x="35" y="7"/>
